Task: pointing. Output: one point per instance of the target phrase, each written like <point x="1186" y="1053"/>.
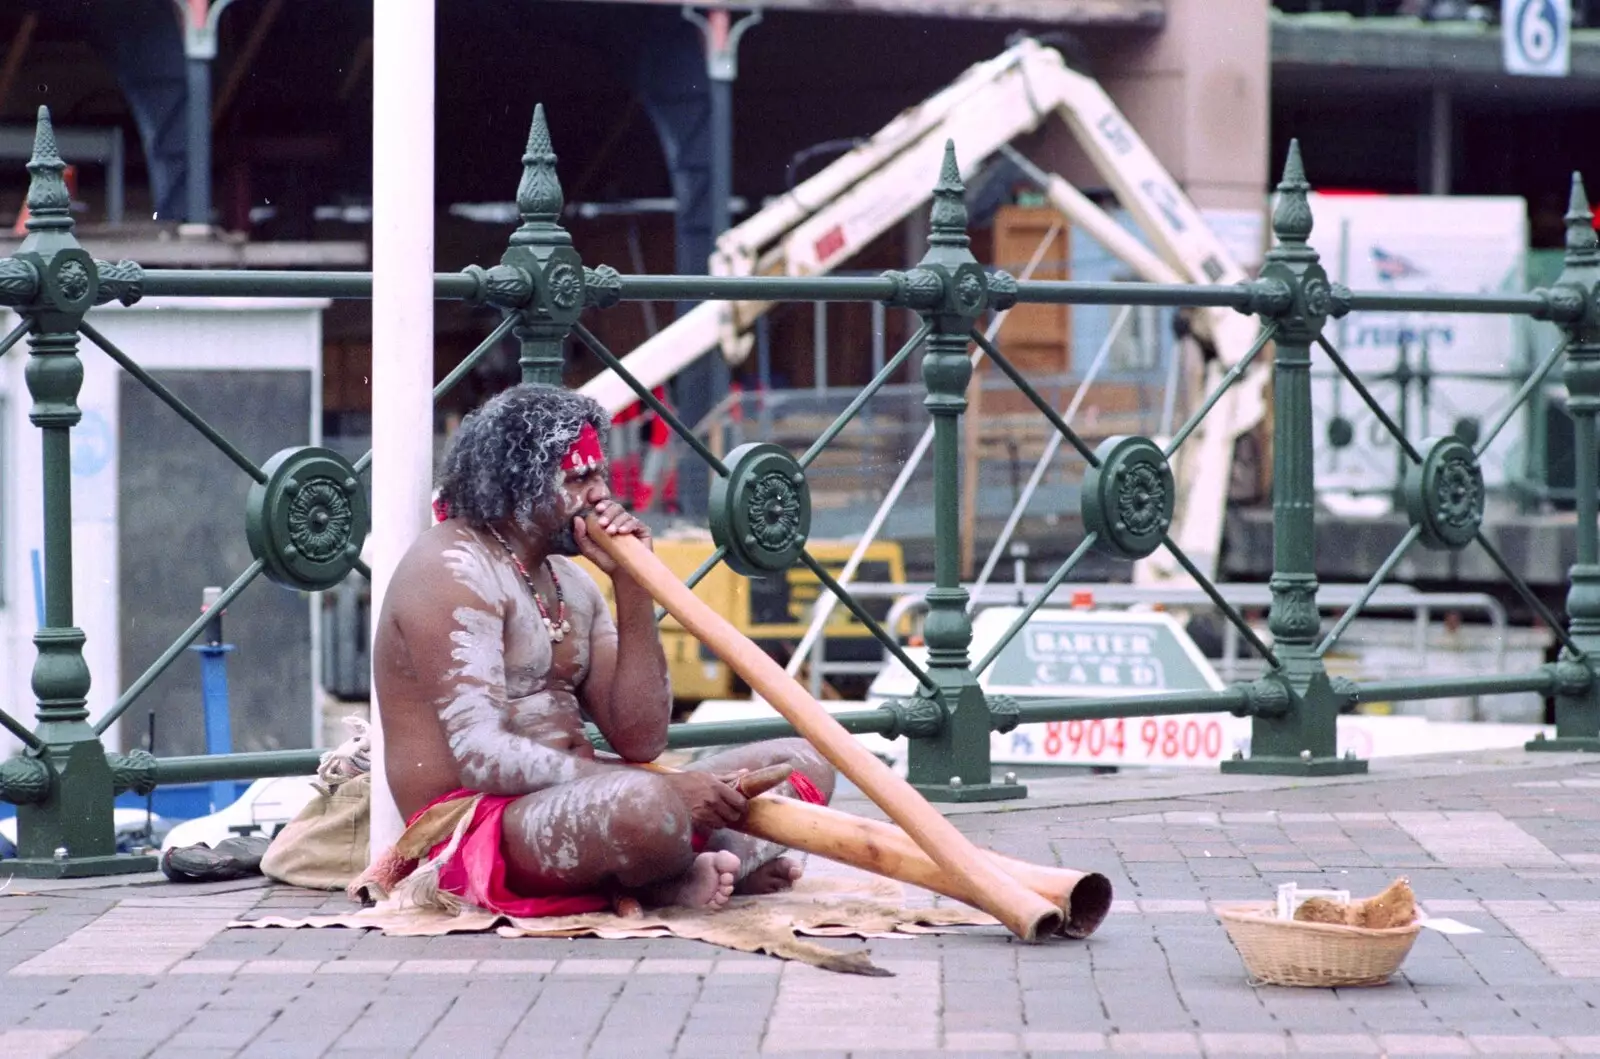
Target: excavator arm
<point x="843" y="207"/>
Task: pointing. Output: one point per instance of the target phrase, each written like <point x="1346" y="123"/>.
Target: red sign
<point x="830" y="243"/>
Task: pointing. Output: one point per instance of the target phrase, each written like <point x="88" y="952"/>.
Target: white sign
<point x="1536" y="37"/>
<point x="1186" y="739"/>
<point x="1064" y="654"/>
<point x="1083" y="654"/>
<point x="1104" y="654"/>
<point x="1207" y="739"/>
<point x="1418" y="244"/>
<point x="1200" y="740"/>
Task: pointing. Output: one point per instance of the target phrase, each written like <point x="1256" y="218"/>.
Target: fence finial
<point x="539" y="198"/>
<point x="1291" y="218"/>
<point x="1581" y="238"/>
<point x="948" y="222"/>
<point x="49" y="202"/>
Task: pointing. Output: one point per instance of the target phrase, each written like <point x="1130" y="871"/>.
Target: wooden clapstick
<point x="1024" y="912"/>
<point x="762" y="780"/>
<point x="749" y="784"/>
<point x="1084" y="898"/>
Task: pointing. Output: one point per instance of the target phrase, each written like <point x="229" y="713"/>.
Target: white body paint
<point x="594" y="805"/>
<point x="511" y="725"/>
<point x="514" y="726"/>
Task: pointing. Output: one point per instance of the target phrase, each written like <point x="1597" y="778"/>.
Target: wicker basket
<point x="1289" y="952"/>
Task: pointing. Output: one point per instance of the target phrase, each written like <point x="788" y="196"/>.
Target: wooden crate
<point x="1036" y="339"/>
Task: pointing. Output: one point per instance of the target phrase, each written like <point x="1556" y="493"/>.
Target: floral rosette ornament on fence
<point x="306" y="523"/>
<point x="761" y="512"/>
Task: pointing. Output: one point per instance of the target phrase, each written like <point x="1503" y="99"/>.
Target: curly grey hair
<point x="505" y="459"/>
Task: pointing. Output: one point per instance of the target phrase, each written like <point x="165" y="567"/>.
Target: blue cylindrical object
<point x="214" y="695"/>
<point x="219" y="726"/>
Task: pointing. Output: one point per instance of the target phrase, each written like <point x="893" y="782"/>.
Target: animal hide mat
<point x="828" y="906"/>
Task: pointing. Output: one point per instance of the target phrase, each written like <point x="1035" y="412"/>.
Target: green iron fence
<point x="307" y="512"/>
<point x="1414" y="391"/>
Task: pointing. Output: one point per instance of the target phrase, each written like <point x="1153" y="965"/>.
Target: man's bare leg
<point x="623" y="829"/>
<point x="762" y="867"/>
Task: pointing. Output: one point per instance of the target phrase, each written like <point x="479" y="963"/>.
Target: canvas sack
<point x="325" y="846"/>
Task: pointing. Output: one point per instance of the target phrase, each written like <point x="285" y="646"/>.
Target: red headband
<point x="585" y="453"/>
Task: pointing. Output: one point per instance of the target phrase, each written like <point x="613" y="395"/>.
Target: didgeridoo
<point x="1024" y="913"/>
<point x="1084" y="898"/>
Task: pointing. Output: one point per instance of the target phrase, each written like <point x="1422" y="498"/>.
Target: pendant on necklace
<point x="558" y="627"/>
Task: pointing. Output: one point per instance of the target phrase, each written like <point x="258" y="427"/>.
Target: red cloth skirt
<point x="477" y="871"/>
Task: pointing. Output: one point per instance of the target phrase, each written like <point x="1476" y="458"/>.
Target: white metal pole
<point x="402" y="318"/>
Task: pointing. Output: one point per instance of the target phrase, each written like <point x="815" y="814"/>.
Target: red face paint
<point x="585" y="454"/>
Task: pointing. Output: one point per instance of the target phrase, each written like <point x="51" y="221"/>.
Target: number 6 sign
<point x="1536" y="36"/>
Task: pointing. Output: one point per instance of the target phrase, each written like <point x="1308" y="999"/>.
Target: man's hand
<point x="615" y="520"/>
<point x="712" y="803"/>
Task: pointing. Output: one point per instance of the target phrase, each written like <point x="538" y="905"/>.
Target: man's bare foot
<point x="708" y="883"/>
<point x="779" y="873"/>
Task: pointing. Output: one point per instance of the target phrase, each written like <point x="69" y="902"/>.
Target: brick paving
<point x="1503" y="841"/>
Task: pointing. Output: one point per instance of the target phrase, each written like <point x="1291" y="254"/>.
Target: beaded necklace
<point x="559" y="626"/>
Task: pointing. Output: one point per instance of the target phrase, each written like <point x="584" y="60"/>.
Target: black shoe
<point x="233" y="858"/>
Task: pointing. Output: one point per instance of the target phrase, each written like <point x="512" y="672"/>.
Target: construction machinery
<point x="818" y="225"/>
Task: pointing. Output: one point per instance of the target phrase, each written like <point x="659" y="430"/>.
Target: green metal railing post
<point x="951" y="764"/>
<point x="66" y="829"/>
<point x="1578" y="693"/>
<point x="1301" y="739"/>
<point x="541" y="251"/>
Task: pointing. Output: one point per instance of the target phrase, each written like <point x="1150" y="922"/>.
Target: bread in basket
<point x="1326" y="944"/>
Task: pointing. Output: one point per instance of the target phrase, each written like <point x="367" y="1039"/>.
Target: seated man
<point x="492" y="649"/>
